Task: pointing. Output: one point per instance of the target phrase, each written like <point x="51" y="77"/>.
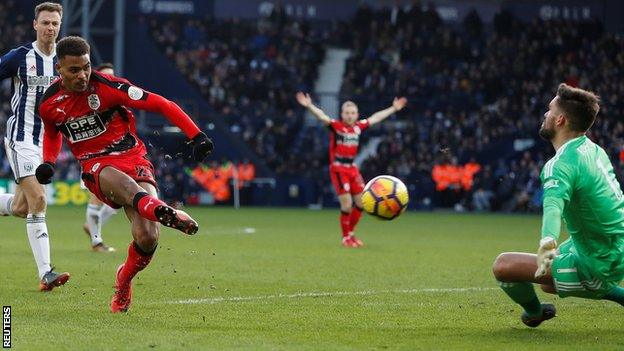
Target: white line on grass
<point x="325" y="294"/>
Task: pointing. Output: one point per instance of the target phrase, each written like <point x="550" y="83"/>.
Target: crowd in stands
<point x="476" y="95"/>
<point x="473" y="93"/>
<point x="247" y="71"/>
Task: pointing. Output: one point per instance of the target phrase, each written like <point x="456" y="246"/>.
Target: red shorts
<point x="134" y="165"/>
<point x="346" y="180"/>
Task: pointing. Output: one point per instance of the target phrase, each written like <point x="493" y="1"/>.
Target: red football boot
<point x="348" y="242"/>
<point x="176" y="219"/>
<point x="122" y="296"/>
<point x="357" y="241"/>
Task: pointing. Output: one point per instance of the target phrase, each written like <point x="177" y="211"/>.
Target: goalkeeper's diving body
<point x="580" y="187"/>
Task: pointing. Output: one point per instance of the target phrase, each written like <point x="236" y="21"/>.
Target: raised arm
<point x="305" y="101"/>
<point x="397" y="105"/>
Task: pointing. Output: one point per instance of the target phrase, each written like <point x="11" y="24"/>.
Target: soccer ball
<point x="385" y="197"/>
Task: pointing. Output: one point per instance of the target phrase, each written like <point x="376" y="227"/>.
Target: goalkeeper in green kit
<point x="580" y="186"/>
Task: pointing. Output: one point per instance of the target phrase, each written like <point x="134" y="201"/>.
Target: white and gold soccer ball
<point x="385" y="197"/>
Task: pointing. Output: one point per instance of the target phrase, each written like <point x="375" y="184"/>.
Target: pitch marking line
<point x="325" y="294"/>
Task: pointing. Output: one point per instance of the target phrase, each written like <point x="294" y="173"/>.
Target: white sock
<point x="39" y="241"/>
<point x="106" y="213"/>
<point x="6" y="201"/>
<point x="94" y="221"/>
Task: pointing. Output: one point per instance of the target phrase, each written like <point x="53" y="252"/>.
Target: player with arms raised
<point x="580" y="186"/>
<point x="343" y="147"/>
<point x="90" y="111"/>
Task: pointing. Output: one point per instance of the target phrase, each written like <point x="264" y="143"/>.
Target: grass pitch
<point x="278" y="279"/>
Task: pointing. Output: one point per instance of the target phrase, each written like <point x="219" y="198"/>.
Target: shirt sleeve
<point x="135" y="97"/>
<point x="363" y="124"/>
<point x="9" y="64"/>
<point x="558" y="182"/>
<point x="52" y="139"/>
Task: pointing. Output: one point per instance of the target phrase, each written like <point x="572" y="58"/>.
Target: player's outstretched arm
<point x="305" y="101"/>
<point x="397" y="105"/>
<point x="140" y="99"/>
<point x="148" y="101"/>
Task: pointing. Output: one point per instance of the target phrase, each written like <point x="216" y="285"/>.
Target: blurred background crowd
<point x="477" y="94"/>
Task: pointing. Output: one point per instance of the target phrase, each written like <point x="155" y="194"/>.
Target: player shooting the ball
<point x="90" y="111"/>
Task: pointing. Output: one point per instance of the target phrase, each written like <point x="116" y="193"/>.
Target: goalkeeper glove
<point x="45" y="172"/>
<point x="545" y="255"/>
<point x="202" y="146"/>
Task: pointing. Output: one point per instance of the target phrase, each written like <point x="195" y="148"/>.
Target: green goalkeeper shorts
<point x="573" y="278"/>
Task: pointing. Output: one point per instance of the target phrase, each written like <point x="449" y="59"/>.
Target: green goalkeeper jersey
<point x="580" y="186"/>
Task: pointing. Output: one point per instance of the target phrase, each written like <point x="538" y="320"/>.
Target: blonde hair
<point x="348" y="103"/>
<point x="50" y="7"/>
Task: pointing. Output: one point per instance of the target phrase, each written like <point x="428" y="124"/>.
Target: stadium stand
<point x="464" y="104"/>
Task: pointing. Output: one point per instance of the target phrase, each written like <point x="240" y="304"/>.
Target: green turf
<point x="290" y="285"/>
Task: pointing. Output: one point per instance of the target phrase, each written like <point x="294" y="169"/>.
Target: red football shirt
<point x="344" y="141"/>
<point x="97" y="122"/>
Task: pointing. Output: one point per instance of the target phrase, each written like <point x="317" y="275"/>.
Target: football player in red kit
<point x="343" y="147"/>
<point x="90" y="111"/>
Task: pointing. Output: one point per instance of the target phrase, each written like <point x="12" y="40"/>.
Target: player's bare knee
<point x="37" y="203"/>
<point x="147" y="234"/>
<point x="129" y="188"/>
<point x="146" y="240"/>
<point x="501" y="267"/>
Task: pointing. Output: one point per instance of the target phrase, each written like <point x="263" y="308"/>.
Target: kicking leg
<point x="122" y="189"/>
<point x="515" y="273"/>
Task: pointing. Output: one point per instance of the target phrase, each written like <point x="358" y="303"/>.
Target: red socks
<point x="356" y="214"/>
<point x="145" y="204"/>
<point x="137" y="260"/>
<point x="345" y="223"/>
<point x="348" y="220"/>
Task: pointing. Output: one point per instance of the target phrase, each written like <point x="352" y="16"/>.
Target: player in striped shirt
<point x="343" y="147"/>
<point x="32" y="68"/>
<point x="580" y="187"/>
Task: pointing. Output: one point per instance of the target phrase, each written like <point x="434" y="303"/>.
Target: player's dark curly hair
<point x="579" y="106"/>
<point x="72" y="46"/>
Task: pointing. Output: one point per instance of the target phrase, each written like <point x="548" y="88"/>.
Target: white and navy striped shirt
<point x="32" y="72"/>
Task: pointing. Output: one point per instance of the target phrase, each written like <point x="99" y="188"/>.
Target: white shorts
<point x="23" y="157"/>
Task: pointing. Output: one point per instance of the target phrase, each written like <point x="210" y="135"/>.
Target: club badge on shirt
<point x="94" y="101"/>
